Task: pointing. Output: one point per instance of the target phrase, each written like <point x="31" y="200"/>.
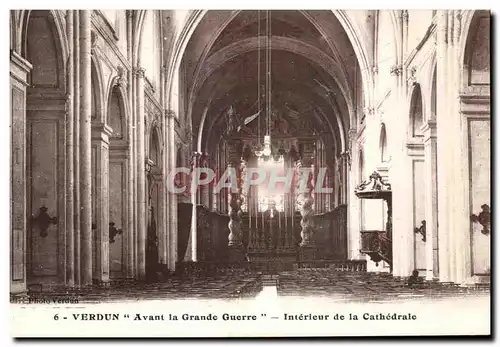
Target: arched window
<point x="416" y="114"/>
<point x="115" y="114"/>
<point x="384" y="156"/>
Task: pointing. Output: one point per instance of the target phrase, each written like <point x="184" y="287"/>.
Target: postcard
<point x="250" y="173"/>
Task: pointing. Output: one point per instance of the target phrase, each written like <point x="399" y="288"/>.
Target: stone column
<point x="172" y="197"/>
<point x="131" y="229"/>
<point x="442" y="145"/>
<point x="100" y="147"/>
<point x="141" y="176"/>
<point x="400" y="173"/>
<point x="453" y="218"/>
<point x="70" y="241"/>
<point x="354" y="204"/>
<point x="461" y="237"/>
<point x="76" y="142"/>
<point x="431" y="212"/>
<point x="204" y="189"/>
<point x="19" y="70"/>
<point x="85" y="148"/>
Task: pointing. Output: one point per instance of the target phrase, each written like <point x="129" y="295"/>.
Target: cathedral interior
<point x="388" y="110"/>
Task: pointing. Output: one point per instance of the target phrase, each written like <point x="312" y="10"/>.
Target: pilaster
<point x="431" y="211"/>
<point x="19" y="70"/>
<point x="141" y="174"/>
<point x="100" y="152"/>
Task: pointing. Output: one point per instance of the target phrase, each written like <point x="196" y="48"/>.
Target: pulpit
<point x="377" y="244"/>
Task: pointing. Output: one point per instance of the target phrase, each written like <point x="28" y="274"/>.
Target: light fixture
<point x="267" y="145"/>
<point x="266" y="150"/>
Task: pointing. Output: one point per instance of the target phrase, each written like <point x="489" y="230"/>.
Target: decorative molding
<point x="43" y="220"/>
<point x="94" y="38"/>
<point x="374" y="187"/>
<point x="429" y="129"/>
<point x="121" y="80"/>
<point x="412" y="76"/>
<point x="422" y="231"/>
<point x="368" y="111"/>
<point x="113" y="231"/>
<point x="415" y="147"/>
<point x="483" y="218"/>
<point x="139" y="72"/>
<point x="170" y="114"/>
<point x="22" y="63"/>
<point x="396" y="70"/>
<point x="405" y="15"/>
<point x="111" y="43"/>
<point x="346" y="157"/>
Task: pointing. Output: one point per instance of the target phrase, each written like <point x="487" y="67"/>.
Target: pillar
<point x="131" y="229"/>
<point x="85" y="149"/>
<point x="141" y="175"/>
<point x="354" y="204"/>
<point x="171" y="149"/>
<point x="452" y="187"/>
<point x="431" y="211"/>
<point x="100" y="148"/>
<point x="70" y="183"/>
<point x="76" y="147"/>
<point x="442" y="135"/>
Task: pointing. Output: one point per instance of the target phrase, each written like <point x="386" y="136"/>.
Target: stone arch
<point x="98" y="111"/>
<point x="59" y="34"/>
<point x="42" y="44"/>
<point x="474" y="54"/>
<point x="50" y="34"/>
<point x="116" y="114"/>
<point x="155" y="146"/>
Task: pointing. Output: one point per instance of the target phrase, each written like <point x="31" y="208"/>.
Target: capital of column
<point x="412" y="76"/>
<point x="139" y="71"/>
<point x="396" y="70"/>
<point x="121" y="78"/>
<point x="93" y="39"/>
<point x="346" y="157"/>
<point x="405" y="15"/>
<point x="101" y="131"/>
<point x="429" y="130"/>
<point x="369" y="111"/>
<point x="169" y="114"/>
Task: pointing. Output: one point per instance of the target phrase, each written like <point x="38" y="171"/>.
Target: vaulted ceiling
<point x="313" y="68"/>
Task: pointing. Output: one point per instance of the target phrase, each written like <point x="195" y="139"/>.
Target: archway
<point x="475" y="106"/>
<point x="45" y="155"/>
<point x="311" y="107"/>
<point x="119" y="232"/>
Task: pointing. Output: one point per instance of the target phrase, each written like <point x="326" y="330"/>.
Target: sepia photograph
<point x="250" y="173"/>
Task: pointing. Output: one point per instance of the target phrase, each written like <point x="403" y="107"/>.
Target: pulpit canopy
<point x="374" y="188"/>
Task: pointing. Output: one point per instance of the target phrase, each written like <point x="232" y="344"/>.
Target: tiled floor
<point x="337" y="285"/>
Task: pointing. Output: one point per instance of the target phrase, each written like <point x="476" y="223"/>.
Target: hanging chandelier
<point x="266" y="149"/>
